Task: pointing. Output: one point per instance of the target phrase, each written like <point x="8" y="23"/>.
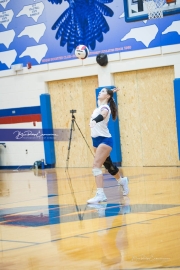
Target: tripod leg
<point x="84" y="138"/>
<point x="69" y="146"/>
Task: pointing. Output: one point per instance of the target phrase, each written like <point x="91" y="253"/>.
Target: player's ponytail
<point x="112" y="104"/>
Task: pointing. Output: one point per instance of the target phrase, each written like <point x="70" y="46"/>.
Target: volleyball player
<point x="103" y="144"/>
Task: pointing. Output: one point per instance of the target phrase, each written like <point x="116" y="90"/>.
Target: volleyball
<point x="81" y="52"/>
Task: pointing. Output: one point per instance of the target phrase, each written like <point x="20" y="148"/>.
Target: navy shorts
<point x="106" y="140"/>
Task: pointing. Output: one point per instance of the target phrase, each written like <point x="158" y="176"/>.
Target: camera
<point x="72" y="111"/>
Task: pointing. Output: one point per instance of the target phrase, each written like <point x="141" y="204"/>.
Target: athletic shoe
<point x="98" y="198"/>
<point x="124" y="183"/>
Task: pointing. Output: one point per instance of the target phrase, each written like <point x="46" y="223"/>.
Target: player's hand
<point x="92" y="123"/>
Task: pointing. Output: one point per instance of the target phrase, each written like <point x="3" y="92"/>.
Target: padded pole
<point x="47" y="125"/>
<point x="177" y="109"/>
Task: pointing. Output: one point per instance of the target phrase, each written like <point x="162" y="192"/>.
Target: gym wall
<point x="78" y="94"/>
<point x="146" y="85"/>
<point x="147" y="117"/>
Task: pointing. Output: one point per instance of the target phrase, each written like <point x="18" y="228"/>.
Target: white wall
<point x="21" y="153"/>
<point x="23" y="88"/>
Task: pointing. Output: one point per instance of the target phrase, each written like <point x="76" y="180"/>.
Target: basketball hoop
<point x="154" y="8"/>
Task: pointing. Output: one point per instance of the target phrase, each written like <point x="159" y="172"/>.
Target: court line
<point x="87" y="233"/>
<point x="16" y="217"/>
<point x="23" y="242"/>
<point x="64" y="194"/>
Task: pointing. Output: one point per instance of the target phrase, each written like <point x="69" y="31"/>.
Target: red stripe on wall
<point x="20" y="119"/>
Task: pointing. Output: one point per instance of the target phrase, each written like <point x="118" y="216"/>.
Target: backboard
<point x="136" y="10"/>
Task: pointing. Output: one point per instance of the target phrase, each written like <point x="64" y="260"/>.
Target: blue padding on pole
<point x="46" y="116"/>
<point x="114" y="130"/>
<point x="177" y="109"/>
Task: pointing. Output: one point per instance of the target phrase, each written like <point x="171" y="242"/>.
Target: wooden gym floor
<point x="46" y="224"/>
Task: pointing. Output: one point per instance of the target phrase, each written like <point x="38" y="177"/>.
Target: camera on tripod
<point x="73" y="120"/>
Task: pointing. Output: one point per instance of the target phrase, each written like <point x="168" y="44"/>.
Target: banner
<point x="46" y="31"/>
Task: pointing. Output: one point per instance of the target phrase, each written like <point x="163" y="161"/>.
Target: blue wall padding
<point x="20" y="111"/>
<point x="114" y="130"/>
<point x="46" y="116"/>
<point x="177" y="109"/>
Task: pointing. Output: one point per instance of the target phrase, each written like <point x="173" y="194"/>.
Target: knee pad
<point x="112" y="169"/>
<point x="96" y="171"/>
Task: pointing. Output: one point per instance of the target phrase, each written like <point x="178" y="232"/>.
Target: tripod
<point x="73" y="120"/>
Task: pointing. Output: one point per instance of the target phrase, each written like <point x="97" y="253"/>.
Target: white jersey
<point x="101" y="128"/>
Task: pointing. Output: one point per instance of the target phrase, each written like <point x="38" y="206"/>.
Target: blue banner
<point x="46" y="31"/>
